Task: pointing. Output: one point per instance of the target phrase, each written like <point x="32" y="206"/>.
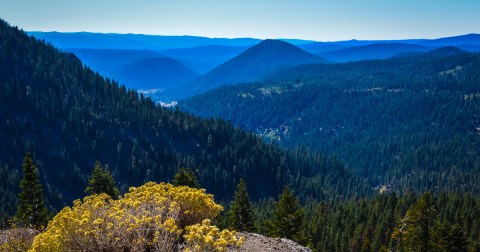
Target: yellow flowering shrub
<point x="194" y="205"/>
<point x="205" y="237"/>
<point x="148" y="218"/>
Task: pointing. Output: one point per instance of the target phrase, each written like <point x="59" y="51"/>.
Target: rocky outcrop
<point x="259" y="243"/>
<point x="253" y="242"/>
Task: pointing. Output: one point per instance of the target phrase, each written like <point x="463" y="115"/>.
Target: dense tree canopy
<point x="375" y="224"/>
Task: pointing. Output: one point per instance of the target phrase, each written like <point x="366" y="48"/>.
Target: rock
<point x="259" y="243"/>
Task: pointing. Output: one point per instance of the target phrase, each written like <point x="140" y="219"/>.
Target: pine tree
<point x="240" y="216"/>
<point x="31" y="211"/>
<point x="186" y="177"/>
<point x="420" y="224"/>
<point x="288" y="218"/>
<point x="101" y="181"/>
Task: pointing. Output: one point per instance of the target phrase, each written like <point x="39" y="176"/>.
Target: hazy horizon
<point x="288" y="38"/>
<point x="303" y="19"/>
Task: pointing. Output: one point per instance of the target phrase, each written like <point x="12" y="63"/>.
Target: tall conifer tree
<point x="420" y="224"/>
<point x="31" y="211"/>
<point x="186" y="177"/>
<point x="241" y="216"/>
<point x="101" y="181"/>
<point x="288" y="218"/>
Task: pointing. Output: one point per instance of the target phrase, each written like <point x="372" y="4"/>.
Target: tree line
<point x="387" y="222"/>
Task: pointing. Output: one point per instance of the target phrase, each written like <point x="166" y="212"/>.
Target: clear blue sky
<point x="307" y="19"/>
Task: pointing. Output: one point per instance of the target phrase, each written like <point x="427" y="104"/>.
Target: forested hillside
<point x="409" y="123"/>
<point x="68" y="117"/>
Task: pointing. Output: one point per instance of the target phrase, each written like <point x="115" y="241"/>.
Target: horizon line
<point x="253" y="38"/>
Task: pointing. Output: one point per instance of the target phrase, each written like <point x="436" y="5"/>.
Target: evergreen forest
<point x="408" y="123"/>
<point x="69" y="117"/>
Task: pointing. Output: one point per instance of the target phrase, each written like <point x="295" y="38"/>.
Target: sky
<point x="319" y="20"/>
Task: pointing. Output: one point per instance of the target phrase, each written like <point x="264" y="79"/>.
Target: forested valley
<point x="68" y="117"/>
<point x="366" y="156"/>
<point x="408" y="123"/>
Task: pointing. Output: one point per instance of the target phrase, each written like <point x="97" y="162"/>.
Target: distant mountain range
<point x="107" y="61"/>
<point x="440" y="52"/>
<point x="372" y="51"/>
<point x="152" y="73"/>
<point x="90" y="40"/>
<point x="253" y="64"/>
<point x="459" y="41"/>
<point x="467" y="39"/>
<point x="222" y="61"/>
<point x="134" y="41"/>
<point x="355" y="50"/>
<point x="204" y="58"/>
<point x="139" y="69"/>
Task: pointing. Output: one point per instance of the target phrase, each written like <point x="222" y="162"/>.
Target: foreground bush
<point x="205" y="237"/>
<point x="16" y="239"/>
<point x="148" y="218"/>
